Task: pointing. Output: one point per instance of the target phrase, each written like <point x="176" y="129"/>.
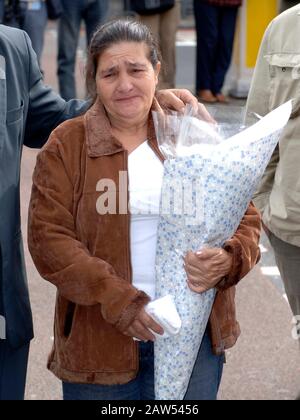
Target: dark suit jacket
<point x="29" y="111"/>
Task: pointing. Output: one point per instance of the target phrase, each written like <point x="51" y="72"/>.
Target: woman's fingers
<point x="196" y="279"/>
<point x="213" y="257"/>
<point x="149" y="322"/>
<point x="193" y="271"/>
<point x="143" y="327"/>
<point x="204" y="271"/>
<point x="196" y="288"/>
<point x="203" y="262"/>
<point x="207" y="253"/>
<point x="138" y="330"/>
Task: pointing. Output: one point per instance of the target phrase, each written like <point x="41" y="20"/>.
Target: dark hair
<point x="111" y="33"/>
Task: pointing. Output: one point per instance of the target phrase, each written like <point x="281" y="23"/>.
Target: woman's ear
<point x="157" y="70"/>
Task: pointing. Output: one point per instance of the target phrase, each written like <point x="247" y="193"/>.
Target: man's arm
<point x="46" y="108"/>
<point x="263" y="192"/>
<point x="259" y="94"/>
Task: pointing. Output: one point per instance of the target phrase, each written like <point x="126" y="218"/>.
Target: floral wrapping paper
<point x="204" y="197"/>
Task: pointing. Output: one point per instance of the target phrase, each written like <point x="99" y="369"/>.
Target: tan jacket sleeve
<point x="259" y="102"/>
<point x="244" y="247"/>
<point x="58" y="254"/>
<point x="261" y="196"/>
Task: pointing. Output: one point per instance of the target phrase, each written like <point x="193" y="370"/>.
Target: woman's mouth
<point x="126" y="98"/>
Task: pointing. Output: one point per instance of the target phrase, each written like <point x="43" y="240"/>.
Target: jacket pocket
<point x="14" y="115"/>
<point x="285" y="80"/>
<point x="14" y="127"/>
<point x="69" y="317"/>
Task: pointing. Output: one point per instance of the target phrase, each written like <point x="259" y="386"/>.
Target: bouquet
<point x="208" y="183"/>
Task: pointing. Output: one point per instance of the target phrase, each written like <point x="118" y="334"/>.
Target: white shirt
<point x="145" y="172"/>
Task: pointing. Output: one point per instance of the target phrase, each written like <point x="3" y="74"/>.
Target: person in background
<point x="215" y="26"/>
<point x="276" y="80"/>
<point x="163" y="25"/>
<point x="93" y="13"/>
<point x="8" y="11"/>
<point x="29" y="15"/>
<point x="287" y="4"/>
<point x="100" y="255"/>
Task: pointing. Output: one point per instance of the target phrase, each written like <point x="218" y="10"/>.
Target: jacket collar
<point x="99" y="138"/>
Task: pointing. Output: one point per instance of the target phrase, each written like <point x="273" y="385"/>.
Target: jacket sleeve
<point x="59" y="255"/>
<point x="46" y="108"/>
<point x="258" y="102"/>
<point x="261" y="196"/>
<point x="259" y="94"/>
<point x="244" y="247"/>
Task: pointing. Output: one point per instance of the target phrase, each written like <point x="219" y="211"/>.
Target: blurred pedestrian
<point x="215" y="25"/>
<point x="29" y="15"/>
<point x="9" y="12"/>
<point x="276" y="80"/>
<point x="93" y="13"/>
<point x="162" y="18"/>
<point x="287" y="4"/>
<point x="33" y="20"/>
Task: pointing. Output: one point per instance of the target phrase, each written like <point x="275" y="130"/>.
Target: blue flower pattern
<point x="228" y="177"/>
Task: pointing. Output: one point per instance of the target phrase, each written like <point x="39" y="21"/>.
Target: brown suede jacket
<point x="87" y="255"/>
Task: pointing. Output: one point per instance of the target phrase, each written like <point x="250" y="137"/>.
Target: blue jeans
<point x="204" y="382"/>
<point x="34" y="22"/>
<point x="93" y="12"/>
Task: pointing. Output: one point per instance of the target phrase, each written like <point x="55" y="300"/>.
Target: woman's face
<point x="126" y="82"/>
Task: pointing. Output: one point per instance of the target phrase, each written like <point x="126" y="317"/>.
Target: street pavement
<point x="263" y="365"/>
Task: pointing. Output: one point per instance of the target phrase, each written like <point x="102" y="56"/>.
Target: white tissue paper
<point x="164" y="312"/>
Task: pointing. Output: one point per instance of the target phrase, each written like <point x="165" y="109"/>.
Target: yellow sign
<point x="259" y="15"/>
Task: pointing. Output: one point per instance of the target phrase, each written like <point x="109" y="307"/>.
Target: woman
<point x="100" y="258"/>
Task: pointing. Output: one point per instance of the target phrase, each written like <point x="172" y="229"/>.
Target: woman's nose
<point x="125" y="83"/>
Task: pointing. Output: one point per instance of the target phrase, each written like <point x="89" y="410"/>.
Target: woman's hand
<point x="141" y="327"/>
<point x="177" y="99"/>
<point x="206" y="268"/>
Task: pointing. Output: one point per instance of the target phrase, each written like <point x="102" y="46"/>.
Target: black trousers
<point x="215" y="27"/>
<point x="13" y="362"/>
